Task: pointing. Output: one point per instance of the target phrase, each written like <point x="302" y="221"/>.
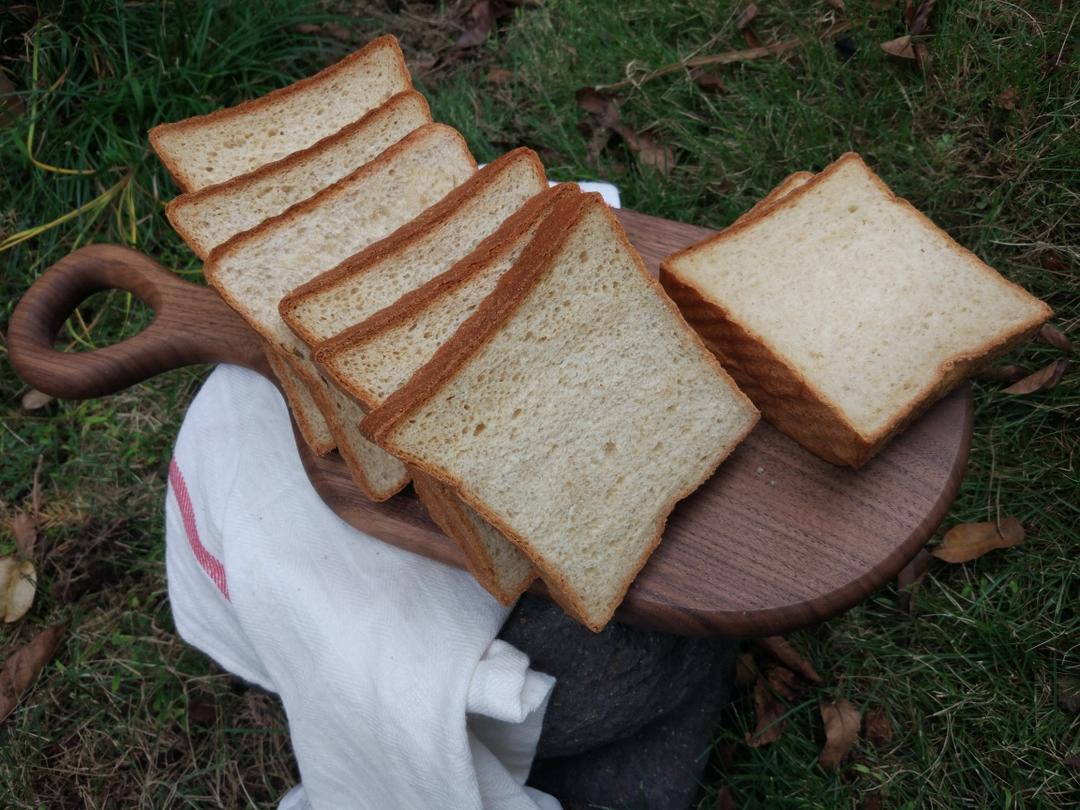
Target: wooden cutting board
<point x="777" y="539"/>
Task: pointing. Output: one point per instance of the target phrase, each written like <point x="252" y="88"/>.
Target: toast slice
<point x="309" y="418"/>
<point x="786" y="186"/>
<point x="494" y="562"/>
<point x="212" y="215"/>
<point x="867" y="315"/>
<point x="253" y="270"/>
<point x="418" y="252"/>
<point x="373" y="359"/>
<point x="209" y="149"/>
<point x="579" y="366"/>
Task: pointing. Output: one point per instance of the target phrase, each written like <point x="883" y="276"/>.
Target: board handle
<point x="191" y="325"/>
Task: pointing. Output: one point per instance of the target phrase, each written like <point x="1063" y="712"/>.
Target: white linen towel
<point x="398" y="694"/>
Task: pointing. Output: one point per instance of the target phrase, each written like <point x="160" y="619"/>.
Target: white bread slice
<point x="493" y="561"/>
<point x="312" y="424"/>
<point x="418" y="252"/>
<point x="572" y="410"/>
<point x="212" y="215"/>
<point x="254" y="269"/>
<point x="213" y="148"/>
<point x="786" y="186"/>
<point x="867" y="313"/>
<point x="373" y="359"/>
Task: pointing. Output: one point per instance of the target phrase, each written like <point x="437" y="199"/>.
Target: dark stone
<point x="610" y="685"/>
<point x="658" y="768"/>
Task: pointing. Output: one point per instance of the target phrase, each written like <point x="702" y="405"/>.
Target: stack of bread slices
<point x="499" y="342"/>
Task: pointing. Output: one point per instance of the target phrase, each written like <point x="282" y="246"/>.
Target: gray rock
<point x="658" y="768"/>
<point x="610" y="685"/>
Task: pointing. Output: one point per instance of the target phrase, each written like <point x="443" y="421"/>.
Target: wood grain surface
<point x="776" y="539"/>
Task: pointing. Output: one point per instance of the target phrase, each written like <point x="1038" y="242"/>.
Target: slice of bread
<point x="867" y="313"/>
<point x="212" y="215"/>
<point x="213" y="148"/>
<point x="254" y="269"/>
<point x="373" y="359"/>
<point x="495" y="563"/>
<point x="309" y="419"/>
<point x="413" y="255"/>
<point x="786" y="186"/>
<point x="572" y="410"/>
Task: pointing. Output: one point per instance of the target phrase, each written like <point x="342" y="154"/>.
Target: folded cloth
<point x="397" y="693"/>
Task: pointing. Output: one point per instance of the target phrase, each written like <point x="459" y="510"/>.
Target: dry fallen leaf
<point x="24" y="665"/>
<point x="841" y="730"/>
<point x="1042" y="380"/>
<point x="871" y="801"/>
<point x="18" y="583"/>
<point x="969" y="541"/>
<point x="1069" y="693"/>
<point x="33" y="400"/>
<point x="769" y="713"/>
<point x="648" y="149"/>
<point x="330" y="29"/>
<point x="724" y="799"/>
<point x="24" y="530"/>
<point x="1008" y="373"/>
<point x="785" y="683"/>
<point x="709" y="82"/>
<point x="1007" y="99"/>
<point x="900" y="47"/>
<point x="1072" y="761"/>
<point x="920" y="19"/>
<point x="877" y="728"/>
<point x="499" y="76"/>
<point x="779" y="649"/>
<point x="1053" y="336"/>
<point x="836" y="5"/>
<point x="481" y="21"/>
<point x="1051" y="260"/>
<point x="742" y="25"/>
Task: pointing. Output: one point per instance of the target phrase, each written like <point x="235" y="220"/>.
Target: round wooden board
<point x="777" y="539"/>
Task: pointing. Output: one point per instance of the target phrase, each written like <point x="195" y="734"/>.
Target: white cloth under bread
<point x="397" y="693"/>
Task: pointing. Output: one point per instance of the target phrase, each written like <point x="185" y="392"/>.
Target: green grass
<point x="969" y="679"/>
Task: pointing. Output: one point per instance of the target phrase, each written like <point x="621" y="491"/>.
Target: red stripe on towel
<point x="210" y="564"/>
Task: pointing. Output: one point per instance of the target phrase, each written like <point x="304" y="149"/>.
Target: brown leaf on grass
<point x="1072" y="761"/>
<point x="969" y="541"/>
<point x="1042" y="380"/>
<point x="836" y="5"/>
<point x="841" y="730"/>
<point x="769" y="713"/>
<point x="1008" y="373"/>
<point x="1069" y="693"/>
<point x="24" y="530"/>
<point x="742" y="25"/>
<point x="34" y="400"/>
<point x="785" y="683"/>
<point x="1052" y="336"/>
<point x="645" y="145"/>
<point x="481" y="19"/>
<point x="1051" y="260"/>
<point x="24" y="665"/>
<point x="901" y="47"/>
<point x="709" y="82"/>
<point x="11" y="106"/>
<point x="780" y="650"/>
<point x="1007" y="99"/>
<point x="920" y="19"/>
<point x="871" y="800"/>
<point x="877" y="728"/>
<point x="18" y="584"/>
<point x="499" y="76"/>
<point x="331" y="29"/>
<point x="748" y="16"/>
<point x="724" y="799"/>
